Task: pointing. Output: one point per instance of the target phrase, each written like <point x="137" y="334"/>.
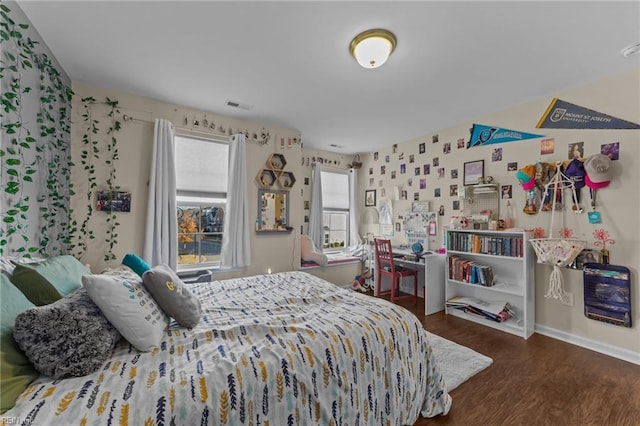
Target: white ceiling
<point x="455" y="61"/>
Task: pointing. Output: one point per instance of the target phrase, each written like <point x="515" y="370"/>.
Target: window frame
<point x="201" y="200"/>
<point x="335" y="210"/>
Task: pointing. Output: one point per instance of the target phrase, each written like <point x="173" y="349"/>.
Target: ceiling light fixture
<point x="372" y="48"/>
<point x="630" y="50"/>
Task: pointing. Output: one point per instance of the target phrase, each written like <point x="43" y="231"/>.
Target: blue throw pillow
<point x="136" y="263"/>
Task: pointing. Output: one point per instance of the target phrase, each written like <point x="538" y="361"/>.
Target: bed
<point x="279" y="349"/>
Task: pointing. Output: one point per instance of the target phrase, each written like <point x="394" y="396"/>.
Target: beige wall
<point x="134" y="141"/>
<point x="619" y="203"/>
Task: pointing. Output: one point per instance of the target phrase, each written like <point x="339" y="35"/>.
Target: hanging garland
<point x="112" y="147"/>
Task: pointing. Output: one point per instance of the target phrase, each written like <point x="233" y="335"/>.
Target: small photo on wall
<point x="393" y="174"/>
<point x="547" y="146"/>
<point x="387" y="159"/>
<point x="375" y="156"/>
<point x="371" y="181"/>
<point x="306" y="205"/>
<point x="397" y="226"/>
<point x="436" y="161"/>
<point x="440" y="172"/>
<point x="410" y="182"/>
<point x="306" y="180"/>
<point x="412" y="158"/>
<point x="441" y="211"/>
<point x="113" y="201"/>
<point x="416" y="171"/>
<point x="496" y="155"/>
<point x="612" y="150"/>
<point x="383" y="169"/>
<point x="446" y="148"/>
<point x="423" y="183"/>
<point x="370" y="170"/>
<point x="403" y="169"/>
<point x="436" y="192"/>
<point x="454" y="173"/>
<point x="395" y="148"/>
<point x="426" y="169"/>
<point x="512" y="167"/>
<point x="383" y="192"/>
<point x="460" y="144"/>
<point x="434" y="138"/>
<point x="506" y="192"/>
<point x="416" y="196"/>
<point x="422" y="148"/>
<point x="576" y="150"/>
<point x="456" y="204"/>
<point x="453" y="190"/>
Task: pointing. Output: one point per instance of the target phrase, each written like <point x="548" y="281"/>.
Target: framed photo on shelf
<point x="473" y="172"/>
<point x="370" y="198"/>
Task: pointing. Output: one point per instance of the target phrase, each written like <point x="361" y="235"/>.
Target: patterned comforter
<point x="280" y="349"/>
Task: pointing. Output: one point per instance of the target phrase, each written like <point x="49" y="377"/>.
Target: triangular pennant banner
<point x="485" y="135"/>
<point x="563" y="115"/>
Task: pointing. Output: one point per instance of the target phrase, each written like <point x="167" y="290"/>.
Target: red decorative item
<point x="603" y="238"/>
<point x="566" y="233"/>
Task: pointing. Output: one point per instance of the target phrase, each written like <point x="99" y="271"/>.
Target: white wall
<point x="134" y="142"/>
<point x="619" y="203"/>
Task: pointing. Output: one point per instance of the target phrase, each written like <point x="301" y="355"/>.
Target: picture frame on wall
<point x="473" y="172"/>
<point x="370" y="198"/>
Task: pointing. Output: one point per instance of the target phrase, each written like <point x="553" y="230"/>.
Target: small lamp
<point x="372" y="48"/>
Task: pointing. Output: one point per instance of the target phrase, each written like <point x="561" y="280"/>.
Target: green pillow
<point x="49" y="280"/>
<point x="16" y="372"/>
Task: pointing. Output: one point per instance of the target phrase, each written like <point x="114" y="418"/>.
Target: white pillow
<point x="129" y="307"/>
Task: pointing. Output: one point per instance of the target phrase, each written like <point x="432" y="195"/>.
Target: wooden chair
<point x="387" y="268"/>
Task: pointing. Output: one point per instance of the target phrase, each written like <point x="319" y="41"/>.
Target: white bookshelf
<point x="514" y="276"/>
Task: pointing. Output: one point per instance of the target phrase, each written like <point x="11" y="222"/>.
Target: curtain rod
<point x="126" y="117"/>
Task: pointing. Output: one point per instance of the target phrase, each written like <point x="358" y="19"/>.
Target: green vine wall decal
<point x="35" y="150"/>
<point x="112" y="147"/>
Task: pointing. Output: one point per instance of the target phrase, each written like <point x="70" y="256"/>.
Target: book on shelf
<point x="471" y="272"/>
<point x="497" y="311"/>
<point x="510" y="246"/>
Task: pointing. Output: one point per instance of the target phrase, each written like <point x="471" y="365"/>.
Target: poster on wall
<point x="113" y="201"/>
<point x="564" y="115"/>
<point x="485" y="135"/>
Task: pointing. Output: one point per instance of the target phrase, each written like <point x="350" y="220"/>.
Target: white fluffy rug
<point x="457" y="363"/>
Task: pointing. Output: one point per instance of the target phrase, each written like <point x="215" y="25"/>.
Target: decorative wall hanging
<point x="564" y="115"/>
<point x="485" y="135"/>
<point x="113" y="201"/>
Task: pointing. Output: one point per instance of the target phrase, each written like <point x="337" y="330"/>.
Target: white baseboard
<point x="614" y="351"/>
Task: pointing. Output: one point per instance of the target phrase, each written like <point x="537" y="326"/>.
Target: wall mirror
<point x="273" y="210"/>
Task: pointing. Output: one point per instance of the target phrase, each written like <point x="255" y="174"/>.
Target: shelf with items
<point x="513" y="283"/>
<point x="266" y="178"/>
<point x="286" y="180"/>
<point x="276" y="162"/>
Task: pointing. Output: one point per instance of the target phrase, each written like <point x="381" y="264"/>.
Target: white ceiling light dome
<point x="372" y="48"/>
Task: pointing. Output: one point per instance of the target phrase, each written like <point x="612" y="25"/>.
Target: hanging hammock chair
<point x="557" y="252"/>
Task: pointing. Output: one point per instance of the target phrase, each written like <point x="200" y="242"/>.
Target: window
<point x="201" y="182"/>
<point x="335" y="209"/>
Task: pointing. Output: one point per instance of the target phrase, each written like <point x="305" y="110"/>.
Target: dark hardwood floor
<point x="538" y="381"/>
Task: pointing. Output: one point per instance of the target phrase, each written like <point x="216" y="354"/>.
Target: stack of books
<point x="497" y="311"/>
<point x="470" y="272"/>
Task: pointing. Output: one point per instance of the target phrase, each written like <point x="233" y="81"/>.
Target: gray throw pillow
<point x="69" y="337"/>
<point x="172" y="295"/>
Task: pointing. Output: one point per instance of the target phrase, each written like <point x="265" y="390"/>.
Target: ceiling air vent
<point x="236" y="104"/>
<point x="333" y="145"/>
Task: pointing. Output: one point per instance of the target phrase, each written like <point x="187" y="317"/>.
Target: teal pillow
<point x="16" y="372"/>
<point x="49" y="280"/>
<point x="136" y="263"/>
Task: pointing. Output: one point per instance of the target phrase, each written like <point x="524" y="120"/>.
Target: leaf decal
<point x="149" y="422"/>
<point x="64" y="404"/>
<point x="161" y="407"/>
<point x="115" y="366"/>
<point x="307" y="349"/>
<point x="172" y="399"/>
<point x="232" y="390"/>
<point x="85" y="389"/>
<point x="263" y="370"/>
<point x="224" y="407"/>
<point x="279" y="385"/>
<point x="204" y="395"/>
<point x="104" y="399"/>
<point x="49" y="392"/>
<point x="152" y="378"/>
<point x="128" y="390"/>
<point x="124" y="415"/>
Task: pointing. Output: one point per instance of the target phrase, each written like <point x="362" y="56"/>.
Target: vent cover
<point x="236" y="104"/>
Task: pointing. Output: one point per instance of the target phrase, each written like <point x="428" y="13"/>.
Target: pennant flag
<point x="563" y="115"/>
<point x="485" y="135"/>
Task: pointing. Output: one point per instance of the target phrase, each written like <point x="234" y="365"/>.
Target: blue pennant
<point x="485" y="135"/>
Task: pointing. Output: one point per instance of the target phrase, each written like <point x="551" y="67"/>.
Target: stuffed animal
<point x="310" y="253"/>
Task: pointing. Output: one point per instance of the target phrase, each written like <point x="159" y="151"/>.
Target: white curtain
<point x="161" y="233"/>
<point x="315" y="215"/>
<point x="354" y="235"/>
<point x="236" y="250"/>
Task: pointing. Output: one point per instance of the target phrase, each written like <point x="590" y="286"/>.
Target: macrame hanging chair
<point x="559" y="251"/>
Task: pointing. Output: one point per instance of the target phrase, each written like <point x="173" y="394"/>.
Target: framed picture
<point x="370" y="198"/>
<point x="473" y="172"/>
<point x="420" y="206"/>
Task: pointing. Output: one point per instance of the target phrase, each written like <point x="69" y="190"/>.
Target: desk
<point x="430" y="277"/>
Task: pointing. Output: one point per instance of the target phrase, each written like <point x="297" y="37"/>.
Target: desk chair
<point x="386" y="267"/>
